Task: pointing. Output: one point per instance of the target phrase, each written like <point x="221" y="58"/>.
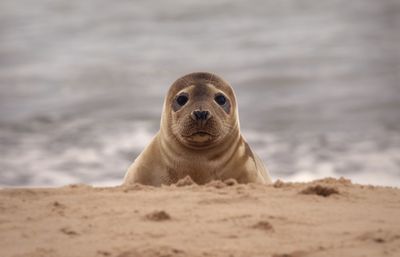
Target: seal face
<point x="199" y="136"/>
<point x="200" y="114"/>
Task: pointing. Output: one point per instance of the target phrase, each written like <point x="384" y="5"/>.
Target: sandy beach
<point x="327" y="217"/>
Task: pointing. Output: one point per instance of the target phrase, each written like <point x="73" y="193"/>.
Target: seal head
<point x="199" y="111"/>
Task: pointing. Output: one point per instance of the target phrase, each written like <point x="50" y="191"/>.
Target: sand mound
<point x="319" y="190"/>
<point x="158" y="216"/>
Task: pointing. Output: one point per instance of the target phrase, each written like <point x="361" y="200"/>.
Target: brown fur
<point x="178" y="150"/>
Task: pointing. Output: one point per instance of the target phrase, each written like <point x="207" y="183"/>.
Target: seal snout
<point x="200" y="115"/>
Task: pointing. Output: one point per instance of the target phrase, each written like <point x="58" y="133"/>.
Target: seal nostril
<point x="205" y="115"/>
<point x="200" y="115"/>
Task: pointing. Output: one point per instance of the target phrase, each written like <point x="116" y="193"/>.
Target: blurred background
<point x="82" y="83"/>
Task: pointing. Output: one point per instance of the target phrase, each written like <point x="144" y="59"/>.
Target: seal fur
<point x="199" y="137"/>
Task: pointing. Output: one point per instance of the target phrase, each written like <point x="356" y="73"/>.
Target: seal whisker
<point x="211" y="77"/>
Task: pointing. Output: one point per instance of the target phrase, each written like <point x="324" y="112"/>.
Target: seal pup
<point x="199" y="137"/>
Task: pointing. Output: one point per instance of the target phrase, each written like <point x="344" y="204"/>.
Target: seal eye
<point x="182" y="100"/>
<point x="220" y="99"/>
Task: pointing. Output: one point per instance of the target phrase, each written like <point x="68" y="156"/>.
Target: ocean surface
<point x="82" y="83"/>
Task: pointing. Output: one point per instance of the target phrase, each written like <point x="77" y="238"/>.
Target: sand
<point x="323" y="218"/>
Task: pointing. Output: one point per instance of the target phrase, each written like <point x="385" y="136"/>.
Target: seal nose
<point x="200" y="115"/>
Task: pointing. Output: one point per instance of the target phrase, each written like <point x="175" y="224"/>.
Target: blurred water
<point x="82" y="83"/>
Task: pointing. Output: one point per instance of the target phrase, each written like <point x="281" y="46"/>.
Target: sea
<point x="82" y="84"/>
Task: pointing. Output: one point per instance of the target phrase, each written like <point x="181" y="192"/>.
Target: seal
<point x="199" y="137"/>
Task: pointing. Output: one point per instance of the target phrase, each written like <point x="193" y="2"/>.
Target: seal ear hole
<point x="182" y="99"/>
<point x="220" y="99"/>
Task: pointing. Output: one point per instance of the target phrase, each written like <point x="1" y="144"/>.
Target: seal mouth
<point x="201" y="134"/>
<point x="200" y="137"/>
